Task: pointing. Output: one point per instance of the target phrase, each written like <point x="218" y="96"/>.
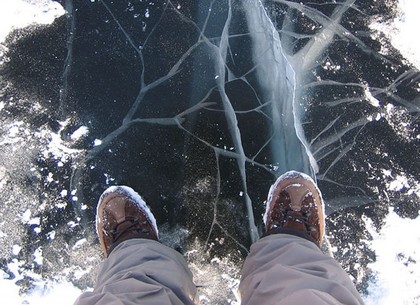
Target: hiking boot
<point x="295" y="206"/>
<point x="121" y="215"/>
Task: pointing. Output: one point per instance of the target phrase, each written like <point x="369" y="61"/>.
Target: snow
<point x="23" y="13"/>
<point x="63" y="193"/>
<point x="79" y="133"/>
<point x="52" y="293"/>
<point x="38" y="256"/>
<point x="16" y="249"/>
<point x="43" y="292"/>
<point x="399" y="183"/>
<point x="402" y="31"/>
<point x="35" y="221"/>
<point x="26" y="216"/>
<point x="57" y="147"/>
<point x="370" y="98"/>
<point x="396" y="268"/>
<point x="51" y="235"/>
<point x="79" y="243"/>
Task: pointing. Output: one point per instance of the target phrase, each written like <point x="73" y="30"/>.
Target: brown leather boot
<point x="295" y="206"/>
<point x="121" y="215"/>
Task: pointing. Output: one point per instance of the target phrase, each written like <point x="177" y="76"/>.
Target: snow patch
<point x="18" y="14"/>
<point x="51" y="235"/>
<point x="396" y="268"/>
<point x="38" y="256"/>
<point x="26" y="216"/>
<point x="57" y="147"/>
<point x="399" y="183"/>
<point x="16" y="249"/>
<point x="79" y="133"/>
<point x="370" y="98"/>
<point x="43" y="291"/>
<point x="35" y="221"/>
<point x="79" y="243"/>
<point x="402" y="32"/>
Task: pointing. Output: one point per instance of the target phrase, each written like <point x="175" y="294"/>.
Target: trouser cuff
<point x="289" y="231"/>
<point x="139" y="235"/>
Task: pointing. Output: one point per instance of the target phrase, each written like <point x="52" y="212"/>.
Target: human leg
<point x="286" y="269"/>
<point x="142" y="271"/>
<point x="138" y="269"/>
<point x="287" y="266"/>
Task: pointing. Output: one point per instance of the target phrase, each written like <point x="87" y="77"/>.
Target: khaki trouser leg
<point x="142" y="271"/>
<point x="286" y="269"/>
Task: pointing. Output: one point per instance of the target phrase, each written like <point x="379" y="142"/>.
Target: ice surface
<point x="201" y="120"/>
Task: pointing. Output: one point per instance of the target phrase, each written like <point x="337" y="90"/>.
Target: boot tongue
<point x="297" y="193"/>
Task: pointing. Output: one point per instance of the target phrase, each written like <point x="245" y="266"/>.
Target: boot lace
<point x="114" y="234"/>
<point x="297" y="216"/>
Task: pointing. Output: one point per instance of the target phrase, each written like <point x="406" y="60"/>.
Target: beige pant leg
<point x="286" y="269"/>
<point x="142" y="271"/>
